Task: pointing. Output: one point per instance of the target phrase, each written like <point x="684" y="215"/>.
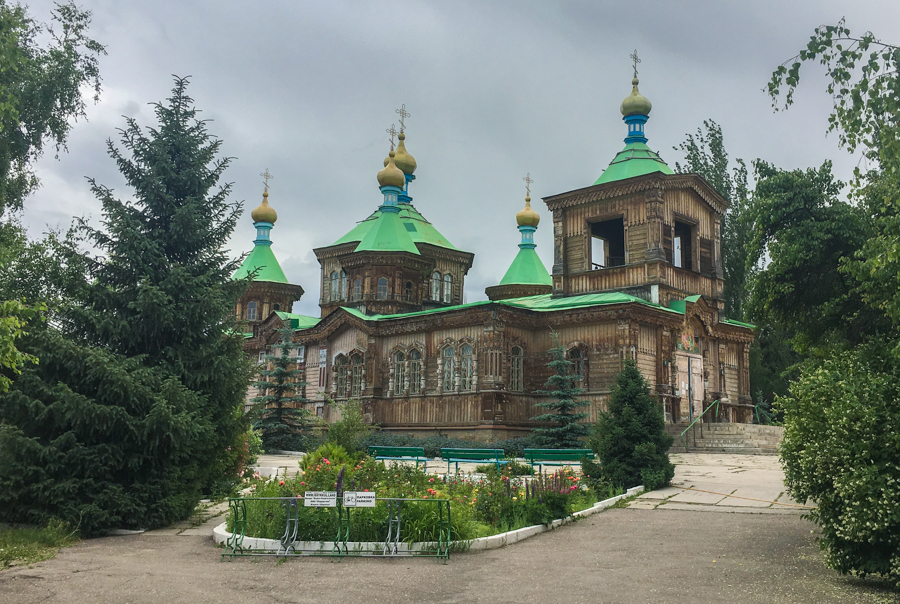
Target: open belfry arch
<point x="636" y="275"/>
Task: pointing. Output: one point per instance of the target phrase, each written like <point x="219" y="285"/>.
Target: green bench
<point x="451" y="455"/>
<point x="416" y="454"/>
<point x="556" y="457"/>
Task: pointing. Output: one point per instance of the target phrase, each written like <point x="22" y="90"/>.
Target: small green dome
<point x="635" y="103"/>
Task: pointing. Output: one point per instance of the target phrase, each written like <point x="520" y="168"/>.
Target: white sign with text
<point x="359" y="499"/>
<point x="320" y="499"/>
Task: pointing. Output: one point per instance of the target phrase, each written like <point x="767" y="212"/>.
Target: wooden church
<point x="637" y="274"/>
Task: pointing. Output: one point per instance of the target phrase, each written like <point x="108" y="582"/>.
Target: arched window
<point x="577" y="358"/>
<point x="466" y="367"/>
<point x="516" y="370"/>
<point x="382" y="293"/>
<point x="276" y="307"/>
<point x="436" y="286"/>
<point x="335" y="285"/>
<point x="399" y="373"/>
<point x="449" y="366"/>
<point x="409" y="291"/>
<point x="344" y="284"/>
<point x="415" y="371"/>
<point x="357" y="290"/>
<point x="251" y="311"/>
<point x="356" y="373"/>
<point x="341" y="374"/>
<point x="448" y="282"/>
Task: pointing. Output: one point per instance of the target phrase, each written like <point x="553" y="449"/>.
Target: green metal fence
<point x="391" y="547"/>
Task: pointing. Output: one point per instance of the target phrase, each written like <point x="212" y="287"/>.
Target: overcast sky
<point x="495" y="90"/>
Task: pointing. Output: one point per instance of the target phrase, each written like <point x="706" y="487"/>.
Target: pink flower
<point x="424" y="496"/>
<point x="432" y="480"/>
<point x="327" y="463"/>
<point x="303" y="483"/>
<point x="366" y="490"/>
<point x="281" y="483"/>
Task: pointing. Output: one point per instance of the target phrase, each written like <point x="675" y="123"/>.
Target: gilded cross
<point x="528" y="182"/>
<point x="267" y="177"/>
<point x="393" y="132"/>
<point x="636" y="60"/>
<point x="403" y="115"/>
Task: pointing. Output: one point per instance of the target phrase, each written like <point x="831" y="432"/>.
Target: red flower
<point x="281" y="483"/>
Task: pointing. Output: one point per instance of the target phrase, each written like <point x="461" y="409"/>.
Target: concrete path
<point x="711" y="482"/>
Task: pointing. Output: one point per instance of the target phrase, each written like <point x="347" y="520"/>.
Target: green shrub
<point x="351" y="430"/>
<point x="630" y="439"/>
<point x="841" y="449"/>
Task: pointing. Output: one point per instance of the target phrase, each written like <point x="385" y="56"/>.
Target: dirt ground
<point x="618" y="556"/>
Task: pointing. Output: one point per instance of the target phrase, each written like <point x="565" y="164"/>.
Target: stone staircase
<point x="748" y="439"/>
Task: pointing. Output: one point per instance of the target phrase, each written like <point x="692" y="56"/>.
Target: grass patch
<point x="623" y="503"/>
<point x="20" y="546"/>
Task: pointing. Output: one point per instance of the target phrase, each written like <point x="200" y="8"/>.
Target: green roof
<point x="541" y="303"/>
<point x="738" y="323"/>
<point x="527" y="269"/>
<point x="263" y="258"/>
<point x="387" y="234"/>
<point x="418" y="229"/>
<point x="636" y="159"/>
<point x="298" y="321"/>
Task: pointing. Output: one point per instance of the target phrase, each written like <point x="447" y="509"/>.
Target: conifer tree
<point x="281" y="387"/>
<point x="630" y="439"/>
<point x="566" y="431"/>
<point x="141" y="382"/>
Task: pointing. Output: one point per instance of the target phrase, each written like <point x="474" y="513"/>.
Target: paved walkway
<point x="659" y="551"/>
<point x="710" y="482"/>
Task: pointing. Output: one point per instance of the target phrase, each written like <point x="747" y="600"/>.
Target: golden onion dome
<point x="402" y="158"/>
<point x="264" y="212"/>
<point x="391" y="175"/>
<point x="635" y="103"/>
<point x="528" y="217"/>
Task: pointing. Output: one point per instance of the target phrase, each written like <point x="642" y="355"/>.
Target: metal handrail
<point x="768" y="415"/>
<point x="715" y="404"/>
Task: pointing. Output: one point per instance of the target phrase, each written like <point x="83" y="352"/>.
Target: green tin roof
<point x="263" y="258"/>
<point x="527" y="269"/>
<point x="541" y="303"/>
<point x="387" y="234"/>
<point x="636" y="159"/>
<point x="417" y="228"/>
<point x="298" y="321"/>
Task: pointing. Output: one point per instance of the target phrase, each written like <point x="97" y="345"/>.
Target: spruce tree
<point x="565" y="431"/>
<point x="138" y="396"/>
<point x="630" y="439"/>
<point x="280" y="420"/>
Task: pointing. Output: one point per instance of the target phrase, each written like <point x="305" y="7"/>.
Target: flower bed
<point x="480" y="505"/>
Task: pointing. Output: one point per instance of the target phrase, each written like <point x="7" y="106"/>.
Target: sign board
<point x="320" y="499"/>
<point x="359" y="499"/>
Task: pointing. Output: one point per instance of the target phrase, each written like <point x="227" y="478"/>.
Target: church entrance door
<point x="690" y="384"/>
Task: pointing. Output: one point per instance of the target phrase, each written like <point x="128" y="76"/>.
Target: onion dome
<point x="528" y="217"/>
<point x="264" y="212"/>
<point x="635" y="103"/>
<point x="402" y="158"/>
<point x="391" y="175"/>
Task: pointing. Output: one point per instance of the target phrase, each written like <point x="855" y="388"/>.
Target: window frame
<point x="252" y="306"/>
<point x="415" y="371"/>
<point x="517" y="369"/>
<point x="467" y="367"/>
<point x="448" y="370"/>
<point x="381" y="293"/>
<point x="399" y="372"/>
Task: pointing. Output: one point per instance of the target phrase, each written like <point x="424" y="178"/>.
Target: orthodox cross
<point x="636" y="60"/>
<point x="393" y="132"/>
<point x="528" y="182"/>
<point x="403" y="115"/>
<point x="267" y="177"/>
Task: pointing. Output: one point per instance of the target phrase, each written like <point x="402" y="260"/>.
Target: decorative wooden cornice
<point x="434" y="251"/>
<point x="656" y="180"/>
